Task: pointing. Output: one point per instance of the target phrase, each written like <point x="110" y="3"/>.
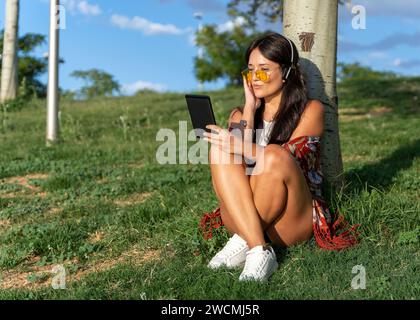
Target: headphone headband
<point x="291" y="61"/>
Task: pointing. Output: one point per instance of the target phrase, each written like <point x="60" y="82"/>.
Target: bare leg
<point x="227" y="221"/>
<point x="235" y="194"/>
<point x="282" y="198"/>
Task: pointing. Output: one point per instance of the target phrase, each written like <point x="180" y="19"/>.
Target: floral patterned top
<point x="331" y="232"/>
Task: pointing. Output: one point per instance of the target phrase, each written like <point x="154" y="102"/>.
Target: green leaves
<point x="272" y="10"/>
<point x="409" y="237"/>
<point x="97" y="83"/>
<point x="30" y="67"/>
<point x="224" y="53"/>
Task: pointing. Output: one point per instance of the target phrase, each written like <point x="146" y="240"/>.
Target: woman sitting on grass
<point x="281" y="199"/>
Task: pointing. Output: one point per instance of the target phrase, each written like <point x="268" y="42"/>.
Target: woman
<point x="282" y="201"/>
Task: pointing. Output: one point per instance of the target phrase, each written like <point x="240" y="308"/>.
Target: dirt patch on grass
<point x="34" y="276"/>
<point x="102" y="181"/>
<point x="134" y="256"/>
<point x="24" y="181"/>
<point x="351" y="114"/>
<point x="378" y="111"/>
<point x="354" y="114"/>
<point x="4" y="223"/>
<point x="352" y="157"/>
<point x="96" y="236"/>
<point x="134" y="199"/>
<point x="135" y="165"/>
<point x="52" y="212"/>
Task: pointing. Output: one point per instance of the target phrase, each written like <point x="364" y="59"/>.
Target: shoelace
<point x="255" y="264"/>
<point x="229" y="250"/>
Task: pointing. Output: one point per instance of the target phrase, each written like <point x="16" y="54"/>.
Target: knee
<point x="276" y="159"/>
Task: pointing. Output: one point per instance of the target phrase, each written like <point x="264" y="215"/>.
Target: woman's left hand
<point x="224" y="139"/>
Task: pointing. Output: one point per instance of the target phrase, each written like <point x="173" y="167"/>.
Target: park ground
<point x="125" y="227"/>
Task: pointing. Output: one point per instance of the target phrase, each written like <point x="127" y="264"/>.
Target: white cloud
<point x="406" y="64"/>
<point x="204" y="5"/>
<point x="71" y="5"/>
<point x="223" y="27"/>
<point x="389" y="42"/>
<point x="145" y="26"/>
<point x="407" y="8"/>
<point x="229" y="25"/>
<point x="82" y="7"/>
<point x="377" y="55"/>
<point x="389" y="8"/>
<point x="88" y="9"/>
<point x="192" y="39"/>
<point x="397" y="62"/>
<point x="132" y="88"/>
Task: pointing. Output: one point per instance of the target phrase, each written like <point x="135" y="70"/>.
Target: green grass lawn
<point x="126" y="227"/>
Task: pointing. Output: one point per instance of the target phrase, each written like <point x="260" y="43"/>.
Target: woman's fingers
<point x="211" y="136"/>
<point x="213" y="141"/>
<point x="214" y="127"/>
<point x="217" y="136"/>
<point x="247" y="86"/>
<point x="217" y="132"/>
<point x="249" y="92"/>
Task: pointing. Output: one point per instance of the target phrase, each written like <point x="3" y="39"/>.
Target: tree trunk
<point x="9" y="72"/>
<point x="312" y="25"/>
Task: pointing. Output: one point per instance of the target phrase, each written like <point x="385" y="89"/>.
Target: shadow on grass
<point x="380" y="174"/>
<point x="281" y="253"/>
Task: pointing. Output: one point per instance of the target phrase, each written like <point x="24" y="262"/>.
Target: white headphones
<point x="291" y="61"/>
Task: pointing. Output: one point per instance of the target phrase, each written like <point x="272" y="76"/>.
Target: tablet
<point x="201" y="113"/>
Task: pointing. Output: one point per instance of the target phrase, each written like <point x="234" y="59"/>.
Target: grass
<point x="126" y="227"/>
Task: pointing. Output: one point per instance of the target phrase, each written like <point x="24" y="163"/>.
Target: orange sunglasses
<point x="262" y="75"/>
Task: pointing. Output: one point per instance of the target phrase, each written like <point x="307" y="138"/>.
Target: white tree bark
<point x="9" y="71"/>
<point x="312" y="25"/>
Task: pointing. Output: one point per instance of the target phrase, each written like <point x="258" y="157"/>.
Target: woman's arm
<point x="311" y="122"/>
<point x="248" y="115"/>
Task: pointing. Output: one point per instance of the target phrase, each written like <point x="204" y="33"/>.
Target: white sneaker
<point x="260" y="264"/>
<point x="232" y="255"/>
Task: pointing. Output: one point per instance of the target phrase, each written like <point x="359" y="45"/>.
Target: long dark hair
<point x="276" y="48"/>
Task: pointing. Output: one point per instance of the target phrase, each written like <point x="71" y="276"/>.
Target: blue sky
<point x="149" y="43"/>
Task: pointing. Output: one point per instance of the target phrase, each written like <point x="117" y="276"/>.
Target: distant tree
<point x="30" y="68"/>
<point x="144" y="91"/>
<point x="67" y="94"/>
<point x="97" y="83"/>
<point x="272" y="10"/>
<point x="224" y="54"/>
<point x="355" y="71"/>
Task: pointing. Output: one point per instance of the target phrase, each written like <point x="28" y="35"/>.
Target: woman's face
<point x="258" y="62"/>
